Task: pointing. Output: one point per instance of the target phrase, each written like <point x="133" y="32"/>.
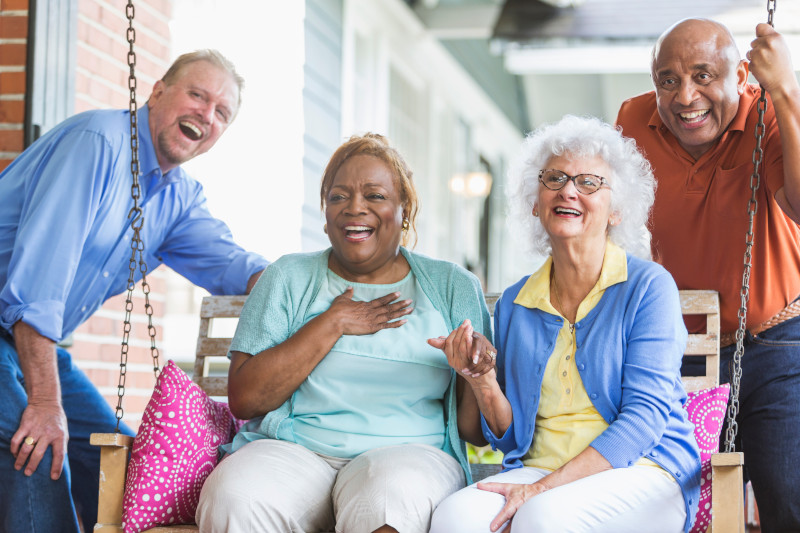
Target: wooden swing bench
<point x="727" y="485"/>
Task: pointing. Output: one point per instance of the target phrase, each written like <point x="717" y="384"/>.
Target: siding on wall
<point x="322" y="108"/>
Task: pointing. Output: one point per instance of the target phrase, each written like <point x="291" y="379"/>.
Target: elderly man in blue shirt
<point x="65" y="249"/>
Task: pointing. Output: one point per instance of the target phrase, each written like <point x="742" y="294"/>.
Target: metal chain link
<point x="137" y="221"/>
<point x="752" y="207"/>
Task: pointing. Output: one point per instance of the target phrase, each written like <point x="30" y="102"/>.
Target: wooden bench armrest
<point x="114" y="453"/>
<point x="727" y="493"/>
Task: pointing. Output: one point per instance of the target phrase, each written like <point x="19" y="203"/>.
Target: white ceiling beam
<point x="459" y="22"/>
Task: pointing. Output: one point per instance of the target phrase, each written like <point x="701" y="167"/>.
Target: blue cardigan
<point x="279" y="305"/>
<point x="629" y="351"/>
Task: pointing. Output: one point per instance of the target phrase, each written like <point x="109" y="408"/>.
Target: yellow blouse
<point x="567" y="422"/>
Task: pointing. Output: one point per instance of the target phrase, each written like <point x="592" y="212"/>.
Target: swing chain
<point x="752" y="207"/>
<point x="137" y="221"/>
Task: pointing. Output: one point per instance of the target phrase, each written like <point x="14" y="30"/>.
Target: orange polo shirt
<point x="700" y="215"/>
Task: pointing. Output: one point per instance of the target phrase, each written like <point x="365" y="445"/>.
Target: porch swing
<point x="727" y="505"/>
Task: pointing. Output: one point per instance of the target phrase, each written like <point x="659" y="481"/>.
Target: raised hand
<point x="770" y="61"/>
<point x="468" y="352"/>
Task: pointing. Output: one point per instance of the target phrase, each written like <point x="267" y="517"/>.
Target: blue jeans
<point x="769" y="421"/>
<point x="37" y="503"/>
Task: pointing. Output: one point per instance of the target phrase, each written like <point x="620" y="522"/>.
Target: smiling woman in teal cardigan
<point x="353" y="417"/>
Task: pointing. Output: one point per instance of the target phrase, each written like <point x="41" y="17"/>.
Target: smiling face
<point x="569" y="216"/>
<point x="364" y="219"/>
<point x="698" y="79"/>
<point x="188" y="116"/>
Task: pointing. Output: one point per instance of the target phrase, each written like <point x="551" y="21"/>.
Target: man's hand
<point x="42" y="425"/>
<point x="43" y="421"/>
<point x="770" y="61"/>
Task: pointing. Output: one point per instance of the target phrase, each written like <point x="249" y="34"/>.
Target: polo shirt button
<point x="630" y="463"/>
<point x="105" y="274"/>
<point x="581" y="366"/>
<point x="83" y="308"/>
<point x="677" y="474"/>
<point x="654" y="453"/>
<point x="594" y="396"/>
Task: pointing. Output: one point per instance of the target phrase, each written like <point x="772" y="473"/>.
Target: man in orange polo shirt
<point x="697" y="130"/>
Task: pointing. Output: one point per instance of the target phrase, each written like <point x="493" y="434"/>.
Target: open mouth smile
<point x="694" y="117"/>
<point x="190" y="130"/>
<point x="567" y="212"/>
<point x="358" y="233"/>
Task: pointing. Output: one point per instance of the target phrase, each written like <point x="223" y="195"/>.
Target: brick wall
<point x="13" y="35"/>
<point x="101" y="81"/>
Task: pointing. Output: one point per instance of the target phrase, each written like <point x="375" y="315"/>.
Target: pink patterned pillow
<point x="706" y="410"/>
<point x="173" y="452"/>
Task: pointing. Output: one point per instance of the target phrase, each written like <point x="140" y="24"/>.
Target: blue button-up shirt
<point x="65" y="236"/>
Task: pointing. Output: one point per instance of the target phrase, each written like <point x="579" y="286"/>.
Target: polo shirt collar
<point x="535" y="293"/>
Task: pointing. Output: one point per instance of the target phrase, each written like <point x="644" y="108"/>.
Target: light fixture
<point x="471" y="184"/>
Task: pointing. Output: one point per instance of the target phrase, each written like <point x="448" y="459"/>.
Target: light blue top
<point x="373" y="390"/>
<point x="65" y="233"/>
<point x="629" y="352"/>
<point x="371" y="376"/>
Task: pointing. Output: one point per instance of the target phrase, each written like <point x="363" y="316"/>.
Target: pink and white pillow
<point x="173" y="452"/>
<point x="706" y="410"/>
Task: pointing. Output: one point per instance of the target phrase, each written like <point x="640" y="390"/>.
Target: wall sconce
<point x="471" y="184"/>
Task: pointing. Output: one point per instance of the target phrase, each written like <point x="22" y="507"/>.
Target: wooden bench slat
<point x="702" y="344"/>
<point x="213" y="346"/>
<point x="222" y="306"/>
<point x="699" y="302"/>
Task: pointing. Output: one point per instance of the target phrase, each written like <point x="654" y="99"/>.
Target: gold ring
<point x="30" y="441"/>
<point x="491" y="354"/>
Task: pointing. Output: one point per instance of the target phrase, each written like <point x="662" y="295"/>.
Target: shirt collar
<point x="535" y="293"/>
<point x="152" y="179"/>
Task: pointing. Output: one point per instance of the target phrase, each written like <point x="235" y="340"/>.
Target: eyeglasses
<point x="555" y="180"/>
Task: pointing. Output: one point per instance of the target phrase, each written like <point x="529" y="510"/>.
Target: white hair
<point x="631" y="180"/>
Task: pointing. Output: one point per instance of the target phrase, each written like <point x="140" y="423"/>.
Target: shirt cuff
<point x="46" y="317"/>
<point x="505" y="443"/>
<point x="240" y="270"/>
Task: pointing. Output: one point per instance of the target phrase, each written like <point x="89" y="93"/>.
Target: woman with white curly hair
<point x="586" y="398"/>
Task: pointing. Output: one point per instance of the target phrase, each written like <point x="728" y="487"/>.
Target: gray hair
<point x="212" y="56"/>
<point x="632" y="182"/>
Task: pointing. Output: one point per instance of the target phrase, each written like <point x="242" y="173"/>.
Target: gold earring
<point x="325" y="228"/>
<point x="406" y="224"/>
<point x="535" y="212"/>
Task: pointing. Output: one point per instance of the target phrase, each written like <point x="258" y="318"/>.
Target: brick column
<point x="13" y="46"/>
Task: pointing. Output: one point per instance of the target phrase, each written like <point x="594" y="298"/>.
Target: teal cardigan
<point x="278" y="306"/>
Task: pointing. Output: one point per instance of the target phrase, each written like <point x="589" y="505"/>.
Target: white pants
<point x="281" y="487"/>
<point x="634" y="499"/>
